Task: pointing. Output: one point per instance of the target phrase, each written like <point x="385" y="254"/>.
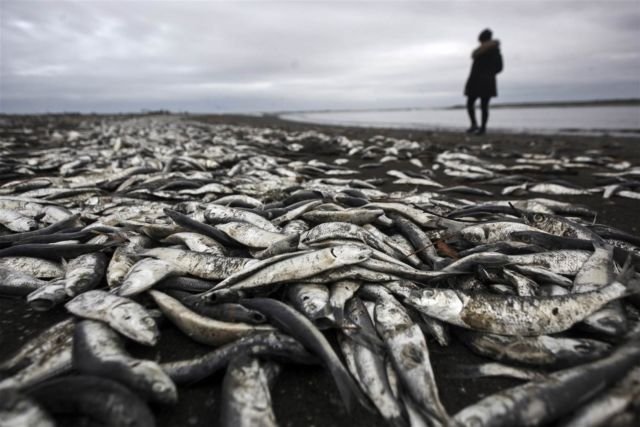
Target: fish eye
<point x="475" y="421"/>
<point x="582" y="348"/>
<point x="538" y="217"/>
<point x="159" y="387"/>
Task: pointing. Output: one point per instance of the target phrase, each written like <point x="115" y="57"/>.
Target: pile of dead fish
<point x="245" y="244"/>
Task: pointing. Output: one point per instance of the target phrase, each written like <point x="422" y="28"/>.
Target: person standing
<point x="487" y="62"/>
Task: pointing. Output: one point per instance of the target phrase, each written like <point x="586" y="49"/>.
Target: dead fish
<point x="567" y="262"/>
<point x="603" y="408"/>
<point x="48" y="296"/>
<point x="492" y="232"/>
<point x="197" y="242"/>
<point x="250" y="235"/>
<point x="217" y="214"/>
<point x="409" y="354"/>
<point x="46" y="356"/>
<point x="246" y="398"/>
<point x="18" y="410"/>
<point x="17" y="222"/>
<point x="513" y="315"/>
<point x="36" y="267"/>
<point x="595" y="273"/>
<point x="62" y="249"/>
<point x="84" y="273"/>
<point x="557" y="189"/>
<point x="144" y="274"/>
<point x="369" y="367"/>
<point x="496" y="370"/>
<point x="102" y="400"/>
<point x="203" y="329"/>
<point x="263" y="344"/>
<point x="98" y="350"/>
<point x="199" y="264"/>
<point x="537" y="402"/>
<point x="299" y="267"/>
<point x="347" y="231"/>
<point x="37" y="348"/>
<point x="122" y="314"/>
<point x="14" y="282"/>
<point x="353" y="216"/>
<point x="289" y="320"/>
<point x="57" y="226"/>
<point x="339" y="293"/>
<point x="123" y="258"/>
<point x="311" y="299"/>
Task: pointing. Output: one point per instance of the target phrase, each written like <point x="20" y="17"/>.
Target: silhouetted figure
<point x="487" y="62"/>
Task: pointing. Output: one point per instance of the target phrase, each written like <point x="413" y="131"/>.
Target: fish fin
<point x="627" y="277"/>
<point x="633" y="287"/>
<point x="520" y="213"/>
<point x="627" y="271"/>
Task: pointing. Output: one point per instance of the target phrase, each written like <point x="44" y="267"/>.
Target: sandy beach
<point x="306" y="396"/>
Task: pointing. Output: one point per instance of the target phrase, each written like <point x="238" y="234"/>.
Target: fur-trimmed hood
<point x="485" y="47"/>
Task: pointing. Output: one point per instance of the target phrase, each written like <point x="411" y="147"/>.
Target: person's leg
<point x="484" y="106"/>
<point x="471" y="110"/>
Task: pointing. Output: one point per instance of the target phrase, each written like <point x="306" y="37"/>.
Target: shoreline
<point x="444" y="133"/>
<point x="599" y="120"/>
<point x="622" y="133"/>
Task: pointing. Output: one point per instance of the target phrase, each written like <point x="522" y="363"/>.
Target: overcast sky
<point x="266" y="55"/>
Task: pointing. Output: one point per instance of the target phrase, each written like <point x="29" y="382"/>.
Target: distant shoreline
<point x="541" y="104"/>
<point x="629" y="102"/>
<point x="589" y="103"/>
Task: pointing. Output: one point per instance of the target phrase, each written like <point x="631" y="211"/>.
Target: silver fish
<point x="122" y="314"/>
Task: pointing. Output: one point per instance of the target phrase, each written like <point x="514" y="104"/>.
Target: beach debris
<point x="263" y="244"/>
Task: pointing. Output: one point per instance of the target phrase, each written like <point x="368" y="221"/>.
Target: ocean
<point x="587" y="120"/>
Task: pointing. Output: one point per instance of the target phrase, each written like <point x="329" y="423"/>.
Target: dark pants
<point x="484" y="105"/>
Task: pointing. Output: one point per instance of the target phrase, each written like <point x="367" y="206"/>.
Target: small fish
<point x="100" y="399"/>
<point x="84" y="273"/>
<point x="203" y="265"/>
<point x="18" y="410"/>
<point x="14" y="282"/>
<point x="144" y="274"/>
<point x="200" y="328"/>
<point x="98" y="350"/>
<point x="409" y="354"/>
<point x="512" y="315"/>
<point x="539" y="402"/>
<point x="264" y="344"/>
<point x="289" y="320"/>
<point x="122" y="314"/>
<point x="246" y="398"/>
<point x="302" y="266"/>
<point x="496" y="370"/>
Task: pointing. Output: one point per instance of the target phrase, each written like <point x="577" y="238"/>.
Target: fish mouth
<point x="41" y="304"/>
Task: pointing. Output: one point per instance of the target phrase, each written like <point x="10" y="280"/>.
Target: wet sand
<point x="306" y="396"/>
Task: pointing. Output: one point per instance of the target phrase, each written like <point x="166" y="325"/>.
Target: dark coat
<point x="487" y="62"/>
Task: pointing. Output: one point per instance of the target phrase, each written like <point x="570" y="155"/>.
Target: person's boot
<point x="472" y="129"/>
<point x="480" y="131"/>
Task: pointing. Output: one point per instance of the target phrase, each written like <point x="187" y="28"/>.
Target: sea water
<point x="615" y="120"/>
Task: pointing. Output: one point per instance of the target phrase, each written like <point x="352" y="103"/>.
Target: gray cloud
<point x="280" y="55"/>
